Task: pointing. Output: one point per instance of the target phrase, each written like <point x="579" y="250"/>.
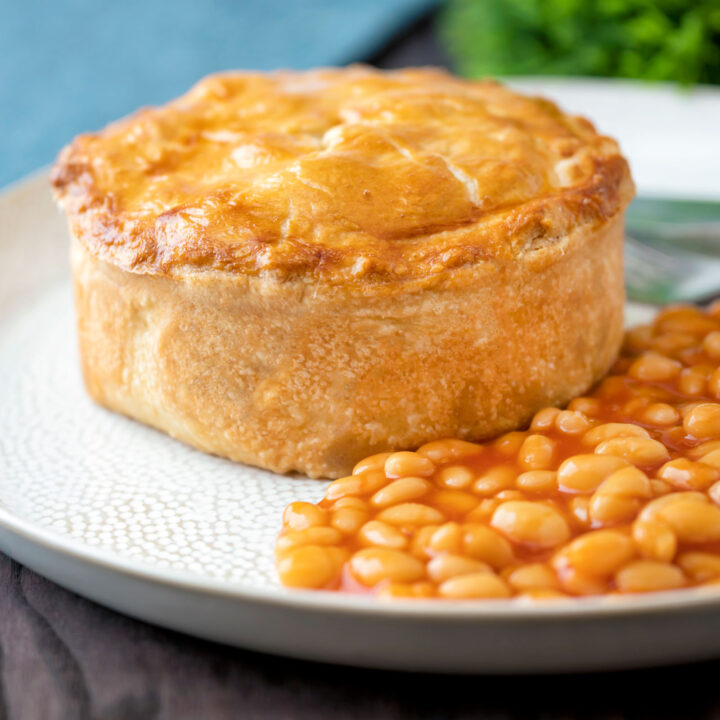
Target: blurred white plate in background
<point x="671" y="135"/>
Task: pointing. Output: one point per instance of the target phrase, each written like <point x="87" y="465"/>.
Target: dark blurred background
<point x="74" y="65"/>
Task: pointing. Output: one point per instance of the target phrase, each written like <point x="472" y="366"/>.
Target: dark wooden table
<point x="65" y="658"/>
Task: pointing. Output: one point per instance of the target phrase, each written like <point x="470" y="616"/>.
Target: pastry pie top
<point x="337" y="175"/>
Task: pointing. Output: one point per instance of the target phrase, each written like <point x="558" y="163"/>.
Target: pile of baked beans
<point x="617" y="493"/>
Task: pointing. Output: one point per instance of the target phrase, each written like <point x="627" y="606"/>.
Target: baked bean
<point x="652" y="393"/>
<point x="660" y="487"/>
<point x="685" y="474"/>
<point x="348" y="520"/>
<point x="376" y="532"/>
<point x="510" y="443"/>
<point x="692" y="383"/>
<point x="402" y="490"/>
<point x="713" y="310"/>
<point x="714" y="582"/>
<point x="373" y="565"/>
<point x="536" y="453"/>
<point x="711" y="345"/>
<point x="420" y="541"/>
<point x="685" y="408"/>
<point x="699" y="452"/>
<point x="531" y="524"/>
<point x="693" y="521"/>
<point x="544" y="419"/>
<point x="351" y="501"/>
<point x="660" y="414"/>
<point x="653" y="367"/>
<point x="500" y="477"/>
<point x="484" y="510"/>
<point x="572" y="422"/>
<point x="405" y="464"/>
<point x="447" y="538"/>
<point x="456" y="477"/>
<point x="608" y="509"/>
<point x="415" y="590"/>
<point x="541" y="594"/>
<point x="446" y="566"/>
<point x="410" y="514"/>
<point x="454" y="503"/>
<point x="363" y="483"/>
<point x="654" y="540"/>
<point x="712" y="458"/>
<point x="674" y="436"/>
<point x="483" y="543"/>
<point x="580" y="509"/>
<point x="627" y="481"/>
<point x="584" y="473"/>
<point x="713" y="384"/>
<point x="317" y="535"/>
<point x="586" y="405"/>
<point x="700" y="566"/>
<point x="684" y="319"/>
<point x="576" y="582"/>
<point x="714" y="493"/>
<point x="600" y="552"/>
<point x="537" y="481"/>
<point x="638" y="338"/>
<point x="311" y="566"/>
<point x="672" y="343"/>
<point x="532" y="576"/>
<point x="441" y="451"/>
<point x="478" y="585"/>
<point x="510" y="495"/>
<point x="300" y="515"/>
<point x="703" y="421"/>
<point x="687" y="357"/>
<point x="634" y="407"/>
<point x="652" y="510"/>
<point x="636" y="450"/>
<point x="612" y="388"/>
<point x="373" y="462"/>
<point x="609" y="431"/>
<point x="648" y="575"/>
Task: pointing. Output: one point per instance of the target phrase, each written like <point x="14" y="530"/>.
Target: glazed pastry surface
<point x="339" y="175"/>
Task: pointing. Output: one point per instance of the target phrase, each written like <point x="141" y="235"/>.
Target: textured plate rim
<point x="339" y="603"/>
<point x="345" y="603"/>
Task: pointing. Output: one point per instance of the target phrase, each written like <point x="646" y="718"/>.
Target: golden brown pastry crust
<point x="275" y="374"/>
<point x="337" y="175"/>
<point x="296" y="270"/>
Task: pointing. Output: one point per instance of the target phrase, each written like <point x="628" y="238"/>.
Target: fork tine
<point x="660" y="275"/>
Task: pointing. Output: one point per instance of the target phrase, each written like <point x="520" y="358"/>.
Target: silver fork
<point x="672" y="250"/>
<point x="659" y="274"/>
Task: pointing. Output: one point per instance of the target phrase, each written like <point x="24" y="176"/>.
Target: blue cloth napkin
<point x="67" y="66"/>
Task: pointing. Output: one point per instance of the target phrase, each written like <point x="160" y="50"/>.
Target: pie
<point x="298" y="269"/>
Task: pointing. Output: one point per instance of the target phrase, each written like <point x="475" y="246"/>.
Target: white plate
<point x="670" y="134"/>
<point x="138" y="522"/>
